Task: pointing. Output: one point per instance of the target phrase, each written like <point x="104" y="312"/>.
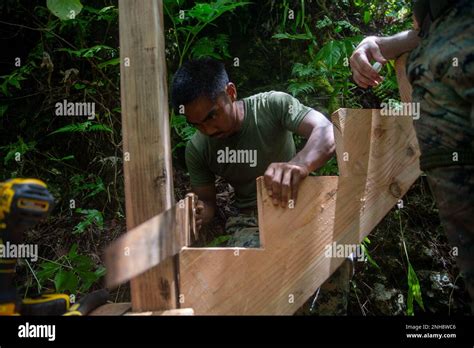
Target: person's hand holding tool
<point x="363" y="73"/>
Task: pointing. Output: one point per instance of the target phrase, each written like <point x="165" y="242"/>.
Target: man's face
<point x="215" y="119"/>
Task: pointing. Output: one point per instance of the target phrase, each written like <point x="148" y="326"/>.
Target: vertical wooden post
<point x="146" y="139"/>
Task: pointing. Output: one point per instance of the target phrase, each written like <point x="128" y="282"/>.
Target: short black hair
<point x="197" y="78"/>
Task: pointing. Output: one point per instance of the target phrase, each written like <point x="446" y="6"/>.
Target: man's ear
<point x="231" y="91"/>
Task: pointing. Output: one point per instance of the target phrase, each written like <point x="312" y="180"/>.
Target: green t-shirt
<point x="265" y="137"/>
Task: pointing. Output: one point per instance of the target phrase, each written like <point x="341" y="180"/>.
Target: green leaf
<point x="323" y="23"/>
<point x="414" y="290"/>
<point x="330" y="54"/>
<point x="84" y="127"/>
<point x="73" y="128"/>
<point x="367" y="17"/>
<point x="79" y="86"/>
<point x="48" y="269"/>
<point x="211" y="47"/>
<point x="218" y="241"/>
<point x="100" y="128"/>
<point x="72" y="252"/>
<point x="87" y="52"/>
<point x="66" y="281"/>
<point x="87" y="278"/>
<point x="19" y="147"/>
<point x="92" y="217"/>
<point x="302" y="70"/>
<point x="100" y="271"/>
<point x="366" y="253"/>
<point x="287" y="36"/>
<point x="113" y="61"/>
<point x="297" y="88"/>
<point x="3" y="110"/>
<point x="64" y="9"/>
<point x="82" y="263"/>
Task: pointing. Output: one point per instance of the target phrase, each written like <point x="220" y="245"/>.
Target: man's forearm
<point x="319" y="148"/>
<point x="395" y="45"/>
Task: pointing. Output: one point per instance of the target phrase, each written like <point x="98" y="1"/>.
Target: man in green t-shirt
<point x="240" y="140"/>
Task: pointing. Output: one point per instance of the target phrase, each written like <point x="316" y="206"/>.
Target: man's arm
<point x="206" y="205"/>
<point x="282" y="179"/>
<point x="379" y="49"/>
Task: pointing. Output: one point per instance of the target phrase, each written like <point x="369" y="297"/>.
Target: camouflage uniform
<point x="330" y="299"/>
<point x="441" y="71"/>
<point x="244" y="230"/>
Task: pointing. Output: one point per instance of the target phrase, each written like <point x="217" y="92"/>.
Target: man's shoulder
<point x="269" y="95"/>
<point x="197" y="142"/>
<point x="273" y="101"/>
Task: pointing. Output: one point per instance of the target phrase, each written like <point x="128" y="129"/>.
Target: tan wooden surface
<point x="150" y="243"/>
<point x="169" y="312"/>
<point x="125" y="307"/>
<point x="112" y="309"/>
<point x="404" y="86"/>
<point x="146" y="141"/>
<point x="279" y="277"/>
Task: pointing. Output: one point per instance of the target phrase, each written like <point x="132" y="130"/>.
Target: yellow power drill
<point x="23" y="203"/>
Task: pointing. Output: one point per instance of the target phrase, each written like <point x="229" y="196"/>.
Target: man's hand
<point x="379" y="49"/>
<point x="282" y="181"/>
<point x="206" y="204"/>
<point x="199" y="214"/>
<point x="362" y="72"/>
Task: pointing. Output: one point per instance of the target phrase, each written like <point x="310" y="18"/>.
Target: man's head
<point x="201" y="89"/>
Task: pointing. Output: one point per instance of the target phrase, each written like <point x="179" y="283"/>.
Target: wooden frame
<point x="382" y="164"/>
<point x="146" y="139"/>
<point x="377" y="158"/>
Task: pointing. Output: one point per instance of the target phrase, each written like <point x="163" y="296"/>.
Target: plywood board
<point x="281" y="275"/>
<point x="146" y="139"/>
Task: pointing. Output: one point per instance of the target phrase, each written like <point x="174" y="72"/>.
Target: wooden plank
<point x="352" y="160"/>
<point x="392" y="138"/>
<point x="146" y="139"/>
<point x="391" y="161"/>
<point x="352" y="133"/>
<point x="150" y="243"/>
<point x="116" y="309"/>
<point x="112" y="309"/>
<point x="169" y="312"/>
<point x="404" y="86"/>
<point x="279" y="278"/>
<point x="263" y="281"/>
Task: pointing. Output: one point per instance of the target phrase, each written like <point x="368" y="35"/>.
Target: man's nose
<point x="208" y="130"/>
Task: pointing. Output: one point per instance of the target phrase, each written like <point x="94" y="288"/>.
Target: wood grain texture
<point x="115" y="309"/>
<point x="169" y="312"/>
<point x="112" y="309"/>
<point x="146" y="140"/>
<point x="279" y="277"/>
<point x="150" y="243"/>
<point x="263" y="281"/>
<point x="404" y="86"/>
